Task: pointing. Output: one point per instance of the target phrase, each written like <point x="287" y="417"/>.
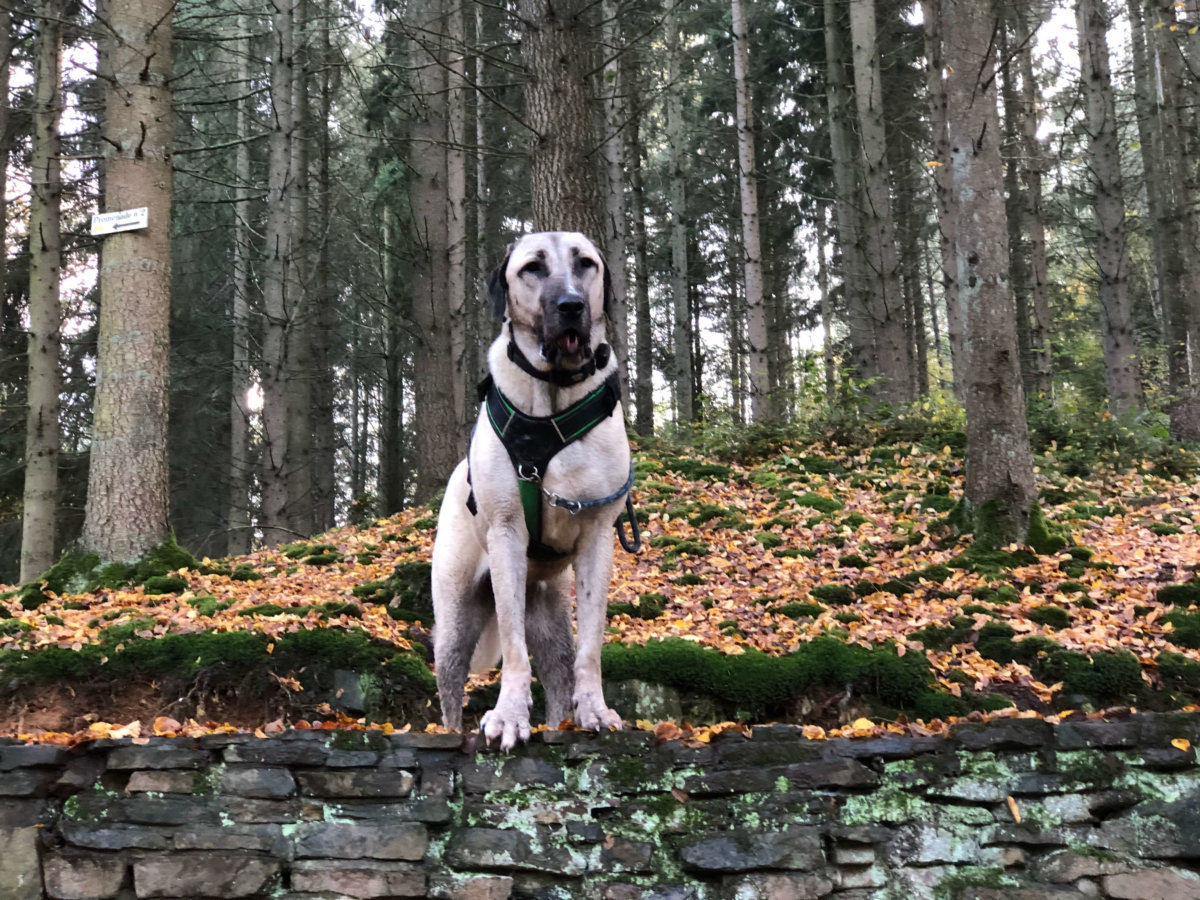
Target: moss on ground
<point x="760" y="685"/>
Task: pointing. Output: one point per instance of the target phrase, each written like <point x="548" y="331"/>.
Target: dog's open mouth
<point x="568" y="342"/>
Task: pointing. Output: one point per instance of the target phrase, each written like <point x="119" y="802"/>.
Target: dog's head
<point x="556" y="285"/>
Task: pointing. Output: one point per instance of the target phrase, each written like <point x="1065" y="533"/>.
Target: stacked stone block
<point x="1012" y="809"/>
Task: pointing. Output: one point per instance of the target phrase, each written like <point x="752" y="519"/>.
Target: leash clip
<point x="571" y="506"/>
<point x="528" y="473"/>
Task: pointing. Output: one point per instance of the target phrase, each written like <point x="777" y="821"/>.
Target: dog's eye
<point x="586" y="262"/>
<point x="533" y="267"/>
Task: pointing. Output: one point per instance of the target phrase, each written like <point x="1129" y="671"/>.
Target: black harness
<point x="532" y="441"/>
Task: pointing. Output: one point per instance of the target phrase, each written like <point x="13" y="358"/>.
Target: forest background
<point x="817" y="215"/>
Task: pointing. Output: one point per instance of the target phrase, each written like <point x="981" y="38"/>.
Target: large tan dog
<point x="495" y="580"/>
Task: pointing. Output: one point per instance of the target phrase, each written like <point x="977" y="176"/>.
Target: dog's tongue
<point x="569" y="342"/>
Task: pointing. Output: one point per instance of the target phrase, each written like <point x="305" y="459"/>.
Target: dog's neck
<point x="544" y="395"/>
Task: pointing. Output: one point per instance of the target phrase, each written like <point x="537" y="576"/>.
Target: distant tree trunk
<point x="1015" y="202"/>
<point x="1041" y="352"/>
<point x="299" y="376"/>
<point x="391" y="431"/>
<point x="276" y="276"/>
<point x="614" y="205"/>
<point x="863" y="359"/>
<point x="1177" y="227"/>
<point x="936" y="89"/>
<point x="564" y="182"/>
<point x="45" y="314"/>
<point x="127" y="502"/>
<point x="999" y="489"/>
<point x="644" y="379"/>
<point x="237" y="516"/>
<point x="1112" y="248"/>
<point x="456" y="215"/>
<point x="681" y="332"/>
<point x="437" y="391"/>
<point x="762" y="401"/>
<point x="885" y="300"/>
<point x="826" y="307"/>
<point x="325" y="314"/>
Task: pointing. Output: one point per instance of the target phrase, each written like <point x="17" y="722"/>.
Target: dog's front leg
<point x="593" y="570"/>
<point x="509" y="721"/>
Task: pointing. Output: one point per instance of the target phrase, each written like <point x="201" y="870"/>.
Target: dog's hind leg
<point x="548" y="630"/>
<point x="456" y="631"/>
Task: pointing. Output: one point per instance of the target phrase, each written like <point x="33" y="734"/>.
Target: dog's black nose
<point x="570" y="305"/>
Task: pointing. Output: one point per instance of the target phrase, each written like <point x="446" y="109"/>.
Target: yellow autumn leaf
<point x="1181" y="744"/>
<point x="1012" y="808"/>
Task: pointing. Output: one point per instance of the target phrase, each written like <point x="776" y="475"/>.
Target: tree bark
<point x="1177" y="228"/>
<point x="564" y="182"/>
<point x="237" y="515"/>
<point x="127" y="502"/>
<point x="999" y="488"/>
<point x="614" y="205"/>
<point x="863" y="359"/>
<point x="277" y="269"/>
<point x="885" y="300"/>
<point x="936" y="89"/>
<point x="1040" y="349"/>
<point x="456" y="215"/>
<point x="827" y="353"/>
<point x="325" y="299"/>
<point x="437" y="388"/>
<point x="1108" y="202"/>
<point x="762" y="400"/>
<point x="681" y="328"/>
<point x="643" y="338"/>
<point x="42" y="441"/>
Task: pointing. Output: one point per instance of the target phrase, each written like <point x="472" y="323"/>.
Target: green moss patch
<point x="1181" y="595"/>
<point x="836" y="594"/>
<point x="761" y="685"/>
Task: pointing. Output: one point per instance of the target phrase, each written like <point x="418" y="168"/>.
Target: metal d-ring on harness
<point x="532" y="441"/>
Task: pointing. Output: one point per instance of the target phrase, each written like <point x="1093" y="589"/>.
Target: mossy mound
<point x="1182" y="595"/>
<point x="83" y="573"/>
<point x="409" y="587"/>
<point x="756" y="685"/>
<point x="649" y="606"/>
<point x="836" y="594"/>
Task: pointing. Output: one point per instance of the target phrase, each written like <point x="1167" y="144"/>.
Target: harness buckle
<point x="526" y="472"/>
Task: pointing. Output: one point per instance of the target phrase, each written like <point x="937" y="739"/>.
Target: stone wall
<point x="1012" y="809"/>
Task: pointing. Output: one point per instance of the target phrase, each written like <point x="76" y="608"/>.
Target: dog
<point x="514" y="525"/>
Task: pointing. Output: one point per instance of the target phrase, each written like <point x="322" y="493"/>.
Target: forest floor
<point x="817" y="584"/>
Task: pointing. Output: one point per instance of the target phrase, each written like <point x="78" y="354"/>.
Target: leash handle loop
<point x="633" y="543"/>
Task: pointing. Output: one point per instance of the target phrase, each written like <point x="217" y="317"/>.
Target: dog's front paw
<point x="592" y="715"/>
<point x="508" y="721"/>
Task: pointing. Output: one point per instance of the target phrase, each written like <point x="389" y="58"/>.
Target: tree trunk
<point x="863" y="359"/>
<point x="1015" y="203"/>
<point x="614" y="205"/>
<point x="1177" y="227"/>
<point x="456" y="218"/>
<point x="999" y="489"/>
<point x="936" y="89"/>
<point x="762" y="401"/>
<point x="681" y="330"/>
<point x="827" y="354"/>
<point x="643" y="334"/>
<point x="45" y="314"/>
<point x="564" y="183"/>
<point x="298" y="369"/>
<point x="325" y="296"/>
<point x="1041" y="351"/>
<point x="1108" y="201"/>
<point x="437" y="390"/>
<point x="276" y="276"/>
<point x="127" y="502"/>
<point x="885" y="300"/>
<point x="237" y="515"/>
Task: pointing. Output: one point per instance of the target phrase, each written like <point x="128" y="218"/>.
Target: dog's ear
<point x="497" y="287"/>
<point x="610" y="295"/>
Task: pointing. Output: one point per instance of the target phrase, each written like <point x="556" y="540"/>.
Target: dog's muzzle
<point x="566" y="329"/>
